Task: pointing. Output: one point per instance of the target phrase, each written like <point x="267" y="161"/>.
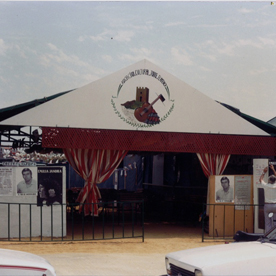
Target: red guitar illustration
<point x="142" y="113"/>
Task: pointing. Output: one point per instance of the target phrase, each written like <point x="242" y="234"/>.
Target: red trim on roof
<point x="55" y="137"/>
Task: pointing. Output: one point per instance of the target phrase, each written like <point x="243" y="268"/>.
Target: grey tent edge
<point x="13" y="110"/>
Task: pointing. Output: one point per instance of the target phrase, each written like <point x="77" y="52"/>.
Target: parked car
<point x="236" y="258"/>
<point x="14" y="263"/>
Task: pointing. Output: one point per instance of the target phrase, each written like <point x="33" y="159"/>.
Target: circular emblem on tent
<point x="143" y="99"/>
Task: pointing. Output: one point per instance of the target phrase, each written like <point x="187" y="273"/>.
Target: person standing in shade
<point x="226" y="193"/>
<point x="269" y="196"/>
<point x="28" y="185"/>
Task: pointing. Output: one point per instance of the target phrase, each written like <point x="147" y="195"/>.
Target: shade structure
<point x="143" y="107"/>
<point x="158" y="141"/>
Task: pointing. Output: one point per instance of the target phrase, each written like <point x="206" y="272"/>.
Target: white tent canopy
<point x="109" y="103"/>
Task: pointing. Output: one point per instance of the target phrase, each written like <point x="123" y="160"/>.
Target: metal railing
<point x="224" y="220"/>
<point x="27" y="222"/>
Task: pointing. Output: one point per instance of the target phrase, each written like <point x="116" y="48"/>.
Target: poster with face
<point x="224" y="185"/>
<point x="26" y="180"/>
<point x="49" y="186"/>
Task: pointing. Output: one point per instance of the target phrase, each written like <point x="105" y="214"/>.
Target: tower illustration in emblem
<point x="143" y="111"/>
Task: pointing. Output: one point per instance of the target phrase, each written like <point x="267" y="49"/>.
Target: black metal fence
<point x="27" y="222"/>
<point x="222" y="221"/>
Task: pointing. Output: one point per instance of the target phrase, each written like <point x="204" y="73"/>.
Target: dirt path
<point x="159" y="238"/>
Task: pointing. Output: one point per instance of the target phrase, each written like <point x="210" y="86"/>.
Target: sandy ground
<point x="117" y="257"/>
<point x="159" y="238"/>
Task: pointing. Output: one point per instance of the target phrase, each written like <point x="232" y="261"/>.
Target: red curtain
<point x="94" y="166"/>
<point x="213" y="164"/>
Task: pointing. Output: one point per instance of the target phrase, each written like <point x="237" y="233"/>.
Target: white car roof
<point x="22" y="260"/>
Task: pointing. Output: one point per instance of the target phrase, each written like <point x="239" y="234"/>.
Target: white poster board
<point x="242" y="192"/>
<point x="6" y="181"/>
<point x="32" y="213"/>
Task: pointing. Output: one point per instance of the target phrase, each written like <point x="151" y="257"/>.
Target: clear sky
<point x="226" y="50"/>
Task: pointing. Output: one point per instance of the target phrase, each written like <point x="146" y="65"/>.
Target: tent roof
<point x="272" y="121"/>
<point x="11" y="111"/>
<point x="265" y="126"/>
<point x="109" y="104"/>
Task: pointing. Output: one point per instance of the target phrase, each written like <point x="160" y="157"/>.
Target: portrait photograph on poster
<point x="49" y="186"/>
<point x="26" y="180"/>
<point x="224" y="188"/>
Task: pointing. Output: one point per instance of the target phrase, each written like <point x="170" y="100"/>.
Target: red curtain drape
<point x="94" y="166"/>
<point x="213" y="164"/>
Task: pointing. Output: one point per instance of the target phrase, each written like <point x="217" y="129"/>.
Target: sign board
<point x="31" y="201"/>
<point x="230" y="204"/>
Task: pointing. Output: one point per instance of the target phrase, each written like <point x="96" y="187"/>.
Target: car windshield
<point x="269" y="236"/>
